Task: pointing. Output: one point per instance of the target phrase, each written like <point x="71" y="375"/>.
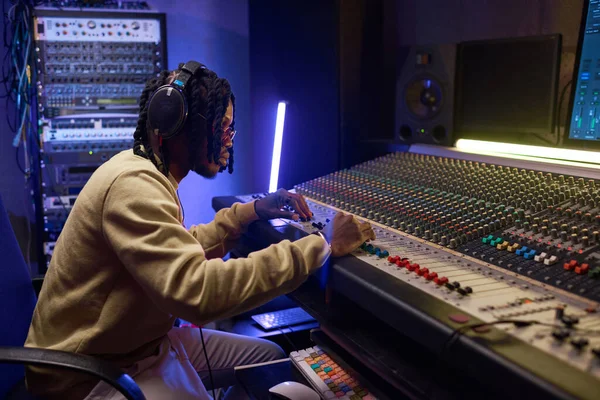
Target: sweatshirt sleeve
<point x="171" y="265"/>
<point x="219" y="236"/>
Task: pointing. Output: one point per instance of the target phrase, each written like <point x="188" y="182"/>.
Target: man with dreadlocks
<point x="125" y="267"/>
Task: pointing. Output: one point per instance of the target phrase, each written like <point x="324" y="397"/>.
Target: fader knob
<point x="574" y="238"/>
<point x="585" y="241"/>
<point x="563" y="235"/>
<point x="585" y="232"/>
<point x="596" y="236"/>
<point x="554" y="233"/>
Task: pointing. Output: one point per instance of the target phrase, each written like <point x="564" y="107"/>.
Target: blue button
<point x="521" y="251"/>
<point x="530" y="255"/>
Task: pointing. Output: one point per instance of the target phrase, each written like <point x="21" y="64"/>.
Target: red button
<point x="583" y="269"/>
<point x="422" y="271"/>
<point x="431" y="276"/>
<point x="570" y="265"/>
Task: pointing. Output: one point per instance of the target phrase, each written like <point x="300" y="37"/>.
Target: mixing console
<point x="494" y="241"/>
<point x="544" y="226"/>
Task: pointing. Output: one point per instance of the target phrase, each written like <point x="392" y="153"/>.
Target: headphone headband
<point x="187" y="71"/>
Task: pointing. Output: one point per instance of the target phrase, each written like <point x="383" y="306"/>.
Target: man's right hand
<point x="347" y="234"/>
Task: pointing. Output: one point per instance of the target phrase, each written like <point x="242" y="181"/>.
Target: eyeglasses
<point x="228" y="134"/>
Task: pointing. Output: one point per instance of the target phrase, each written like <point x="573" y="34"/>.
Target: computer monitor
<point x="583" y="125"/>
<point x="506" y="89"/>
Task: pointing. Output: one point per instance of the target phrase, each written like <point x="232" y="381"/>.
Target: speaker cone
<point x="423" y="97"/>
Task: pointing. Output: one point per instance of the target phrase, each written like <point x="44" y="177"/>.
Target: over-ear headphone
<point x="168" y="106"/>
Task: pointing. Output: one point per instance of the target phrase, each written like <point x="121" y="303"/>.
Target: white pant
<point x="179" y="368"/>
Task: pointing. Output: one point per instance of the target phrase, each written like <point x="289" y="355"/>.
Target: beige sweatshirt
<point x="124" y="268"/>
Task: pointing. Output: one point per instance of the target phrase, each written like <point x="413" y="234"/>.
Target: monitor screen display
<point x="506" y="88"/>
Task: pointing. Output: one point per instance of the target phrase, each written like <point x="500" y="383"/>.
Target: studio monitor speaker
<point x="425" y="94"/>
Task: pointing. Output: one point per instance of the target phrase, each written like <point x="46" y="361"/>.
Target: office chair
<point x="17" y="301"/>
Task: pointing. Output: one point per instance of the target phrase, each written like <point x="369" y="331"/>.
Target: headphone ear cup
<point x="167" y="111"/>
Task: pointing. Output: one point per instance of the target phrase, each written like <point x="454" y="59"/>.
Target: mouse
<point x="293" y="391"/>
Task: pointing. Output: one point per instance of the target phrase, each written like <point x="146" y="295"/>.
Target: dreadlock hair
<point x="140" y="136"/>
<point x="208" y="97"/>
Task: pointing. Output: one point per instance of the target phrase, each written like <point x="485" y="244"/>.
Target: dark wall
<point x="367" y="66"/>
<point x="293" y="57"/>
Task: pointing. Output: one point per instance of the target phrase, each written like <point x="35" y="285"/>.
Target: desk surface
<point x="257" y="379"/>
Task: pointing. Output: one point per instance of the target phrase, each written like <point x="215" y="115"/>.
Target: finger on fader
<point x="302" y="205"/>
<point x="298" y="208"/>
<point x="307" y="208"/>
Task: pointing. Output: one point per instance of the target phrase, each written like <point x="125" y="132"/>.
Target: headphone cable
<point x="212" y="382"/>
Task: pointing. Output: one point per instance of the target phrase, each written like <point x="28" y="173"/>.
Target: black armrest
<point x="77" y="362"/>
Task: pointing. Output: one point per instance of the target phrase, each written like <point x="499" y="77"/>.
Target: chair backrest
<point x="17" y="300"/>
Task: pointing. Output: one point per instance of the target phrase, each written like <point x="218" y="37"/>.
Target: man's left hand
<point x="272" y="206"/>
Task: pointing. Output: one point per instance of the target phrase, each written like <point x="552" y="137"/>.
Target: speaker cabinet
<point x="425" y="94"/>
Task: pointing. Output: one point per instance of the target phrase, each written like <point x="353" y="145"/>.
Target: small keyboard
<point x="282" y="318"/>
<point x="327" y="377"/>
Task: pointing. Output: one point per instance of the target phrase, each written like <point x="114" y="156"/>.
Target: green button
<point x="487" y="239"/>
<point x="595" y="273"/>
<point x="496" y="241"/>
